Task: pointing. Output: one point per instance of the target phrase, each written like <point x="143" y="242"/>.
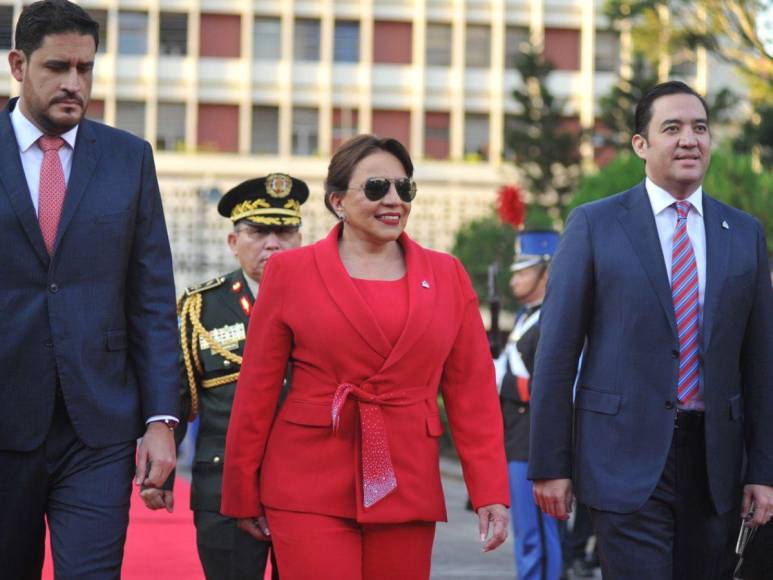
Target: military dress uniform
<point x="537" y="543"/>
<point x="214" y="318"/>
<point x="213" y="327"/>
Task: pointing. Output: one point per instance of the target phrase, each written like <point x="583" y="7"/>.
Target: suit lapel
<point x="84" y="162"/>
<point x="639" y="225"/>
<point x="421" y="299"/>
<point x="717" y="254"/>
<point x="344" y="293"/>
<point x="15" y="184"/>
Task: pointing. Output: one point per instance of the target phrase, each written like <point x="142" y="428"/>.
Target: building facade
<point x="227" y="90"/>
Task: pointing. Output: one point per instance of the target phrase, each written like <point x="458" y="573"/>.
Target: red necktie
<point x="684" y="290"/>
<point x="52" y="189"/>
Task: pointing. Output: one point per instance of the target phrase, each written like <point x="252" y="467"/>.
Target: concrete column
<point x="587" y="97"/>
<point x="419" y="81"/>
<point x="325" y="111"/>
<point x="458" y="39"/>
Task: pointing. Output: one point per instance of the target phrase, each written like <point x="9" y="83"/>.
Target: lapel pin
<point x="424" y="284"/>
<point x="725" y="225"/>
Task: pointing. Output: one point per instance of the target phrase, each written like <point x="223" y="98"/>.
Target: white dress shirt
<point x="665" y="220"/>
<point x="27" y="135"/>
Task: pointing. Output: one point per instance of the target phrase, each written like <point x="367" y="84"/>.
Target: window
<point x="562" y="48"/>
<point x="478" y="46"/>
<point x="218" y="128"/>
<point x="6" y="27"/>
<point x="438" y="44"/>
<point x="267" y="38"/>
<point x="392" y="42"/>
<point x="305" y="130"/>
<point x="607" y="51"/>
<point x="347" y="41"/>
<point x="515" y="38"/>
<point x="101" y="18"/>
<point x="221" y="35"/>
<point x="345" y="122"/>
<point x="476" y="135"/>
<point x="395" y="124"/>
<point x="306" y="39"/>
<point x="436" y="135"/>
<point x="130" y="116"/>
<point x="173" y="33"/>
<point x="132" y="32"/>
<point x="265" y="129"/>
<point x="171" y="127"/>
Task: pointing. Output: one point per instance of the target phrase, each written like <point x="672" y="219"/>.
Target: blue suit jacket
<point x="100" y="312"/>
<point x="608" y="285"/>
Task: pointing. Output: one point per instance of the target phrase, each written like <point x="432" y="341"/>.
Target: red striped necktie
<point x="684" y="291"/>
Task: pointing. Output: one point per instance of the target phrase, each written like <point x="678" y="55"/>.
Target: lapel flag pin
<point x="424" y="284"/>
<point x="725" y="225"/>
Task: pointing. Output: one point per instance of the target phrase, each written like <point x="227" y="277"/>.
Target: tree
<point x="545" y="147"/>
<point x="727" y="28"/>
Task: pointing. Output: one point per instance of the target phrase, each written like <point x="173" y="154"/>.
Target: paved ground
<point x="457" y="549"/>
<point x="456" y="553"/>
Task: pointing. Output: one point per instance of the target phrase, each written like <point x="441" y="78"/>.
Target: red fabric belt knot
<point x="378" y="473"/>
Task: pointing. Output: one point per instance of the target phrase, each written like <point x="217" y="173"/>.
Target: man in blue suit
<point x="89" y="354"/>
<point x="668" y="292"/>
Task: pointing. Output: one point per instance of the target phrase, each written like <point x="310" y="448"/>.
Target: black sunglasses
<point x="375" y="188"/>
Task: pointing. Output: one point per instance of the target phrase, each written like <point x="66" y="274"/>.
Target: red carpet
<point x="159" y="545"/>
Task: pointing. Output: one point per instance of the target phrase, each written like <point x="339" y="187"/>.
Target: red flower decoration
<point x="510" y="206"/>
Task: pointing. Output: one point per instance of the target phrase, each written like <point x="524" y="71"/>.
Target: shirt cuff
<point x="161" y="418"/>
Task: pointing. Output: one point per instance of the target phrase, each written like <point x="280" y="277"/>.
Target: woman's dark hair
<point x="351" y="152"/>
<point x="643" y="114"/>
<point x="40" y="19"/>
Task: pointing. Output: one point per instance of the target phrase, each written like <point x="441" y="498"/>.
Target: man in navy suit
<point x="668" y="293"/>
<point x="89" y="357"/>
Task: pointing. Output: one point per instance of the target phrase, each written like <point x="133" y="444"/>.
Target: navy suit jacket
<point x="100" y="312"/>
<point x="609" y="292"/>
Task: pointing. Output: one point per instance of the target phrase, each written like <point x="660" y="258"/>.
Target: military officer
<point x="537" y="543"/>
<point x="266" y="213"/>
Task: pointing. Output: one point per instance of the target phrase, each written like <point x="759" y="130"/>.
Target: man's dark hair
<point x="40" y="19"/>
<point x="643" y="114"/>
<point x="350" y="153"/>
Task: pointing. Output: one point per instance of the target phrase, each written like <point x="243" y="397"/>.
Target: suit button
<point x="48" y="343"/>
<point x="53" y="288"/>
<point x="674" y="353"/>
<point x="216" y="459"/>
<point x="669" y="405"/>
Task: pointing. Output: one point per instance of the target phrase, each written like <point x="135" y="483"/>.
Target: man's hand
<point x="157" y="451"/>
<point x="156" y="499"/>
<point x="256" y="527"/>
<point x="762" y="498"/>
<point x="497" y="514"/>
<point x="554" y="497"/>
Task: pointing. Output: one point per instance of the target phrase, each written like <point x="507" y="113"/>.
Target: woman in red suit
<point x="344" y="478"/>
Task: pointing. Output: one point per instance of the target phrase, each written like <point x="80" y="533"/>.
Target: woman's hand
<point x="495" y="514"/>
<point x="256" y="527"/>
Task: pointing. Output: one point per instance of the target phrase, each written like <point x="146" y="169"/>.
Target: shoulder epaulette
<point x="204" y="286"/>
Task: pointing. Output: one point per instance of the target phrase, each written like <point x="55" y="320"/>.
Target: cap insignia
<point x="278" y="185"/>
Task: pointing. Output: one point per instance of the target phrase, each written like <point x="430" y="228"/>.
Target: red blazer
<point x="310" y="313"/>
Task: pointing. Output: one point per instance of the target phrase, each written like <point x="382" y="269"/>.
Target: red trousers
<point x="324" y="547"/>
